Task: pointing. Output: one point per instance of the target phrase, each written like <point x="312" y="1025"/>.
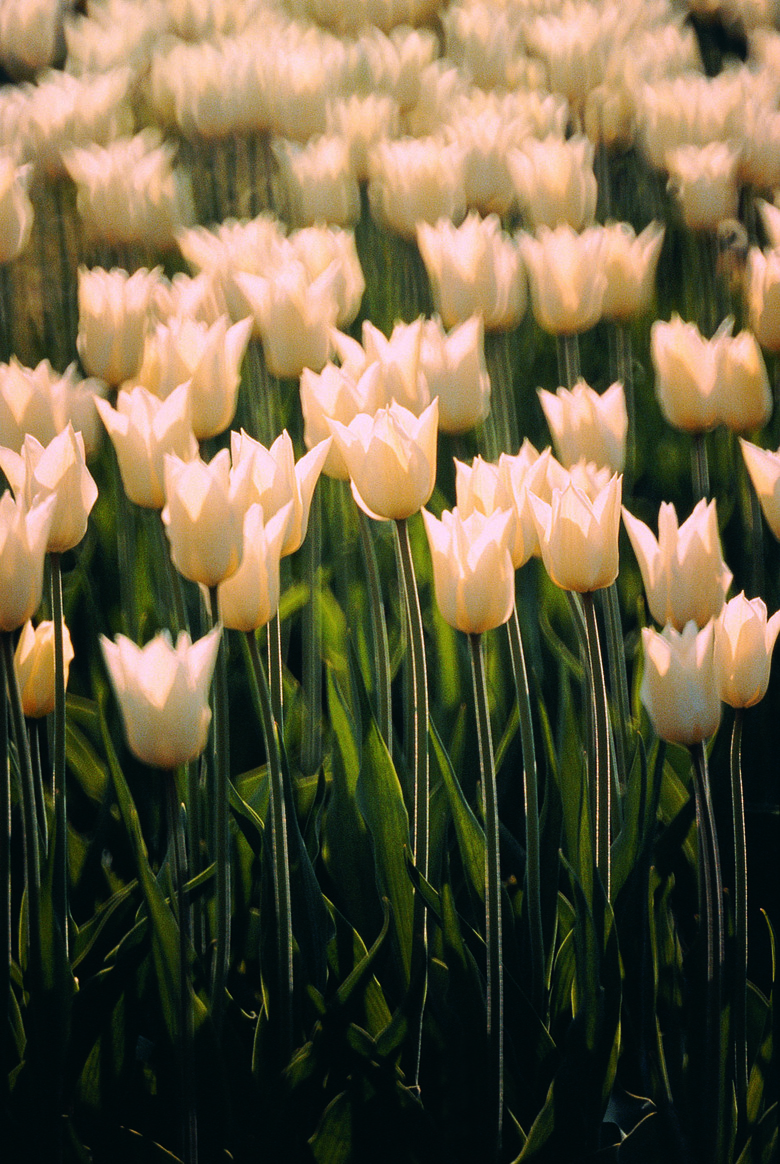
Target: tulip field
<point x="389" y="581"/>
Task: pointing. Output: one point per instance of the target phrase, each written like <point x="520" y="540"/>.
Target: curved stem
<point x="741" y="916"/>
<point x="531" y="805"/>
<point x="493" y="935"/>
<point x="379" y="632"/>
<point x="603" y="750"/>
<point x="222" y="831"/>
<point x="280" y="854"/>
<point x="60" y="888"/>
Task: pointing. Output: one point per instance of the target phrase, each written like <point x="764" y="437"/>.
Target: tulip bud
<point x="762" y="280"/>
<point x="679" y="690"/>
<point x="578" y="537"/>
<point x="472" y="569"/>
<point x="704" y="179"/>
<point x="743" y="650"/>
<point x="202" y="518"/>
<point x="555" y="182"/>
<point x="630" y="263"/>
<point x="113" y="318"/>
<point x="16" y="210"/>
<point x="162" y="693"/>
<point x="34" y="662"/>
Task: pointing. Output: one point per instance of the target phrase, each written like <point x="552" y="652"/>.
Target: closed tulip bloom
<point x="16" y="211"/>
<point x="162" y="693"/>
<point x="473" y="576"/>
<point x="685" y="374"/>
<point x="331" y="249"/>
<point x="334" y="394"/>
<point x="566" y="277"/>
<point x="143" y="429"/>
<point x="763" y="296"/>
<point x="391" y="458"/>
<point x="413" y="180"/>
<point x="679" y="689"/>
<point x="578" y="537"/>
<point x="318" y="181"/>
<point x="293" y="316"/>
<point x="744" y="640"/>
<point x="114" y="312"/>
<point x="23" y="537"/>
<point x="455" y="370"/>
<point x="273" y="478"/>
<point x="630" y="263"/>
<point x="250" y="598"/>
<point x="486" y="488"/>
<point x="587" y="426"/>
<point x="704" y="180"/>
<point x="764" y="469"/>
<point x="30" y="35"/>
<point x="362" y="121"/>
<point x="27" y="403"/>
<point x="555" y="182"/>
<point x="744" y="396"/>
<point x="683" y="570"/>
<point x="202" y="518"/>
<point x="34" y="662"/>
<point x="58" y="470"/>
<point x="474" y="269"/>
<point x="400" y="371"/>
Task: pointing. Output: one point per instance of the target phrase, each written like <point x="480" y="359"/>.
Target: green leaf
<point x="469" y="833"/>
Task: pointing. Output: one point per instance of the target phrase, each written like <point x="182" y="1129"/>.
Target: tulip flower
<point x="486" y="488"/>
<point x="162" y="693"/>
<point x="566" y="277"/>
<point x="318" y="182"/>
<point x="762" y="281"/>
<point x="413" y="180"/>
<point x="361" y="121"/>
<point x="679" y="688"/>
<point x="401" y="376"/>
<point x="630" y="263"/>
<point x="329" y="248"/>
<point x="454" y="367"/>
<point x="333" y="394"/>
<point x="16" y="210"/>
<point x="30" y="35"/>
<point x="39" y="402"/>
<point x="555" y="182"/>
<point x="764" y="469"/>
<point x="113" y="319"/>
<point x="143" y="429"/>
<point x="704" y="180"/>
<point x="293" y="316"/>
<point x="202" y="517"/>
<point x="585" y="425"/>
<point x="391" y="459"/>
<point x="59" y="470"/>
<point x="250" y="598"/>
<point x="34" y="662"/>
<point x="744" y="639"/>
<point x="473" y="576"/>
<point x="683" y="570"/>
<point x="23" y="537"/>
<point x="578" y="537"/>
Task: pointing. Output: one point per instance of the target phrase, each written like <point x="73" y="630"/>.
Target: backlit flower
<point x="23" y="537"/>
<point x="293" y="315"/>
<point x="566" y="277"/>
<point x="473" y="576"/>
<point x="34" y="662"/>
<point x="454" y="367"/>
<point x="415" y="180"/>
<point x="586" y="425"/>
<point x="630" y="262"/>
<point x="250" y="598"/>
<point x="318" y="182"/>
<point x="764" y="469"/>
<point x="113" y="320"/>
<point x="16" y="211"/>
<point x="762" y="283"/>
<point x="335" y="394"/>
<point x="578" y="537"/>
<point x="554" y="181"/>
<point x="704" y="181"/>
<point x="744" y="640"/>
<point x="202" y="518"/>
<point x="679" y="690"/>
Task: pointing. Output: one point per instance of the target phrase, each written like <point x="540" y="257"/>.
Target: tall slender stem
<point x="312" y="654"/>
<point x="280" y="855"/>
<point x="618" y="681"/>
<point x="625" y="373"/>
<point x="186" y="1024"/>
<point x="222" y="831"/>
<point x="503" y="408"/>
<point x="493" y="934"/>
<point x="741" y="915"/>
<point x="275" y="671"/>
<point x="569" y="360"/>
<point x="379" y="631"/>
<point x="34" y="737"/>
<point x="60" y="888"/>
<point x="420" y="826"/>
<point x="603" y="750"/>
<point x="531" y="803"/>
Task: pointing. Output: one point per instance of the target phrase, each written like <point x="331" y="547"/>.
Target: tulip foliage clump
<point x="389" y="582"/>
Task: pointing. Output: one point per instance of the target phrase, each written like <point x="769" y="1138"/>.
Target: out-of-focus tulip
<point x="23" y="537"/>
<point x="34" y="662"/>
<point x="391" y="459"/>
<point x="474" y="269"/>
<point x="398" y="359"/>
<point x="318" y="181"/>
<point x="566" y="276"/>
<point x="329" y="248"/>
<point x="250" y="598"/>
<point x="770" y="220"/>
<point x="485" y="488"/>
<point x="473" y="576"/>
<point x="744" y="397"/>
<point x="763" y="296"/>
<point x="362" y="122"/>
<point x="31" y="35"/>
<point x="585" y="425"/>
<point x="113" y="320"/>
<point x="333" y="394"/>
<point x="630" y="262"/>
<point x="704" y="180"/>
<point x="685" y="374"/>
<point x="485" y="136"/>
<point x="555" y="182"/>
<point x="764" y="469"/>
<point x="683" y="570"/>
<point x="454" y="366"/>
<point x="293" y="316"/>
<point x="578" y="537"/>
<point x="162" y="693"/>
<point x="143" y="429"/>
<point x="679" y="690"/>
<point x="59" y="470"/>
<point x="16" y="211"/>
<point x="273" y="478"/>
<point x="744" y="640"/>
<point x="40" y="402"/>
<point x="415" y="180"/>
<point x="203" y="518"/>
<point x="573" y="45"/>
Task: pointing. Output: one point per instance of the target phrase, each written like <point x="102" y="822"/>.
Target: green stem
<point x="60" y="888"/>
<point x="311" y="646"/>
<point x="420" y="825"/>
<point x="493" y="936"/>
<point x="625" y="374"/>
<point x="711" y="1091"/>
<point x="700" y="472"/>
<point x="379" y="631"/>
<point x="222" y="831"/>
<point x="618" y="683"/>
<point x="741" y="917"/>
<point x="194" y="840"/>
<point x="189" y="1132"/>
<point x="125" y="532"/>
<point x="502" y="409"/>
<point x="569" y="360"/>
<point x="6" y="1040"/>
<point x="34" y="738"/>
<point x="279" y="852"/>
<point x="603" y="751"/>
<point x="275" y="670"/>
<point x="177" y="609"/>
<point x="531" y="804"/>
<point x="31" y="852"/>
